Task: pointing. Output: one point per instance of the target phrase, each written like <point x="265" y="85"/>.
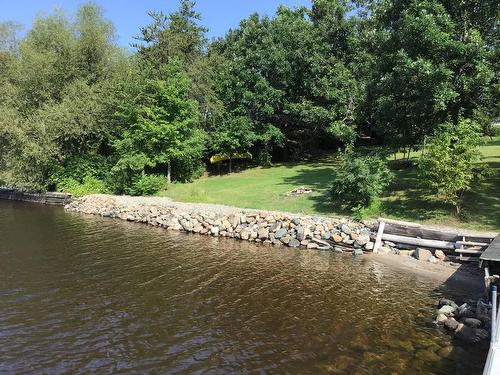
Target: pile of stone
<point x="256" y="226"/>
<point x="300" y="191"/>
<point x="469" y="322"/>
<point x="423" y="255"/>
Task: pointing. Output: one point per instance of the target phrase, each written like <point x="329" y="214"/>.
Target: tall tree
<point x="165" y="127"/>
<point x="176" y="36"/>
<point x="430" y="67"/>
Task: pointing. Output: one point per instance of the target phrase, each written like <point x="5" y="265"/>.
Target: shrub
<point x="358" y="179"/>
<point x="77" y="167"/>
<point x="90" y="185"/>
<point x="449" y="163"/>
<point x="147" y="184"/>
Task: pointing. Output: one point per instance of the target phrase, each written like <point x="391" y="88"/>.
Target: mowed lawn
<point x="266" y="188"/>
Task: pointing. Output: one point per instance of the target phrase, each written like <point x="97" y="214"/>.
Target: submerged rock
<point x="472" y="322"/>
<point x="357" y="252"/>
<point x="447" y="310"/>
<point x="441" y="318"/>
<point x="451" y="324"/>
<point x="448" y="302"/>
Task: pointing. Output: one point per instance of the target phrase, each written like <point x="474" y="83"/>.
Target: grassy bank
<point x="265" y="188"/>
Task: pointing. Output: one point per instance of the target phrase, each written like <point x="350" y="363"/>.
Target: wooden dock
<point x="492" y="252"/>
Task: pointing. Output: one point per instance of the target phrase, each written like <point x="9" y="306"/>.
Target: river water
<point x="83" y="294"/>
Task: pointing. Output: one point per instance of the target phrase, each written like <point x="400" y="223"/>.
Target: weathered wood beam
<point x="436" y="244"/>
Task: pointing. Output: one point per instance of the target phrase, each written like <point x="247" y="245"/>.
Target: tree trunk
<point x="169" y="172"/>
<point x="230" y="166"/>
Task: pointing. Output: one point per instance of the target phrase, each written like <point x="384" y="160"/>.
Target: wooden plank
<point x="435" y="244"/>
<point x="470" y="243"/>
<point x="398" y="222"/>
<point x="378" y="240"/>
<point x="421" y="233"/>
<point x="468" y="251"/>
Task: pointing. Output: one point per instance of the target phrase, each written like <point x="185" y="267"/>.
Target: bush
<point x="90" y="185"/>
<point x="449" y="164"/>
<point x="147" y="184"/>
<point x="358" y="179"/>
<point x="77" y="167"/>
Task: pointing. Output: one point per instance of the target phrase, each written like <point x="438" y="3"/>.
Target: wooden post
<point x="378" y="240"/>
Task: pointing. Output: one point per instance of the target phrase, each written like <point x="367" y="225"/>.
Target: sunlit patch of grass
<point x="266" y="188"/>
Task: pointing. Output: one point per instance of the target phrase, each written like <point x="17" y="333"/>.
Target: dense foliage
<point x="79" y="113"/>
<point x="358" y="179"/>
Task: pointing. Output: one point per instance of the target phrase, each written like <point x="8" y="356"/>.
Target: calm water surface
<point x="82" y="294"/>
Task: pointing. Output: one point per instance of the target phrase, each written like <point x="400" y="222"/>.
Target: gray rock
<point x="187" y="226"/>
<point x="369" y="246"/>
<point x="449" y="302"/>
<point x="275" y="226"/>
<point x="296" y="221"/>
<point x="422" y="254"/>
<point x="233" y="220"/>
<point x="327" y="235"/>
<point x="357" y="252"/>
<point x="472" y="322"/>
<point x="338" y="249"/>
<point x="294" y="243"/>
<point x="312" y="245"/>
<point x="346" y="229"/>
<point x="363" y="240"/>
<point x="471" y="335"/>
<point x="300" y="233"/>
<point x="280" y="233"/>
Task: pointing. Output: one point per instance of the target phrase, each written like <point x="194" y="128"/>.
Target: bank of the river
<point x="272" y="228"/>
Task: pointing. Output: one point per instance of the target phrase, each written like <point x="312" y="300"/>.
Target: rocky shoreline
<point x="280" y="229"/>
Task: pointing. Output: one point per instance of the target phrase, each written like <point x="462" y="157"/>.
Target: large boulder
<point x="245" y="234"/>
<point x="363" y="240"/>
<point x="346" y="229"/>
<point x="280" y="233"/>
<point x="337" y="238"/>
<point x="263" y="233"/>
<point x="447" y="310"/>
<point x="451" y="324"/>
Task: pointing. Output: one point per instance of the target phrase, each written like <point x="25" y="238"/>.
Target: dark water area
<point x="83" y="294"/>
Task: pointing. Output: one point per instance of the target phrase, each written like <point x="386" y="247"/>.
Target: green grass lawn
<point x="265" y="188"/>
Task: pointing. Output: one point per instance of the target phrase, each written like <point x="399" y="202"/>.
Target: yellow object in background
<point x="217" y="158"/>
